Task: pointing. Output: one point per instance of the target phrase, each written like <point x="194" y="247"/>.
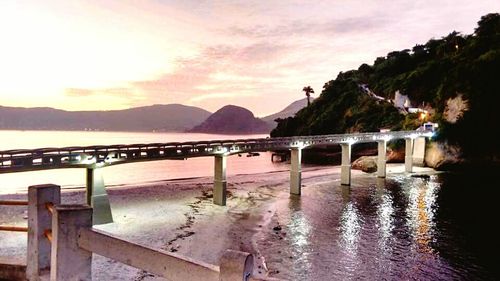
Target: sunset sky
<point x="86" y="55"/>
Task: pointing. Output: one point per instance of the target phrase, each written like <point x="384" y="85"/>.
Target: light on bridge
<point x="387" y="137"/>
<point x="352" y="141"/>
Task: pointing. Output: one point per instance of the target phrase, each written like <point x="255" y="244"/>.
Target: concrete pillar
<point x="419" y="151"/>
<point x="381" y="159"/>
<point x="409" y="155"/>
<point x="220" y="183"/>
<point x="380" y="183"/>
<point x="295" y="170"/>
<point x="235" y="265"/>
<point x="346" y="193"/>
<point x="97" y="197"/>
<point x="345" y="168"/>
<point x="69" y="261"/>
<point x="39" y="220"/>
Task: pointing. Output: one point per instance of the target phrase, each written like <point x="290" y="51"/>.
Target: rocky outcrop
<point x="367" y="164"/>
<point x="442" y="156"/>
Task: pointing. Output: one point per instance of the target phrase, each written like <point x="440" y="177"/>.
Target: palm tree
<point x="308" y="91"/>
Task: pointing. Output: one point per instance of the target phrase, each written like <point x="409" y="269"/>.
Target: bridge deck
<point x="20" y="160"/>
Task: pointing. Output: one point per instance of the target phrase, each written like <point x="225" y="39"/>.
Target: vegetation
<point x="308" y="90"/>
<point x="456" y="78"/>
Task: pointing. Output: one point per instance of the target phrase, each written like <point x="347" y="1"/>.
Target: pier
<point x="95" y="158"/>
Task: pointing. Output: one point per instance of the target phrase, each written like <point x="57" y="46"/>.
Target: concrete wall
<point x="12" y="268"/>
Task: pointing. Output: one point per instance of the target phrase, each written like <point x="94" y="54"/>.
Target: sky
<point x="106" y="55"/>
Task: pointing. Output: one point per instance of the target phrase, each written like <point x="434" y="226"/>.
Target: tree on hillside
<point x="308" y="91"/>
<point x="488" y="25"/>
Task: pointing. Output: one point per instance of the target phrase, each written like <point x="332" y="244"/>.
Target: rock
<point x="277" y="228"/>
<point x="395" y="155"/>
<point x="367" y="164"/>
<point x="421" y="176"/>
<point x="442" y="156"/>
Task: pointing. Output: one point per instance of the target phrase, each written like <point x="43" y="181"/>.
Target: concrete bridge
<point x="94" y="158"/>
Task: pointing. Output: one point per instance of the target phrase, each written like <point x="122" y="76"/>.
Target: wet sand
<point x="179" y="216"/>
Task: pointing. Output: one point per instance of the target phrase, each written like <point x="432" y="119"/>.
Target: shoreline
<point x="179" y="216"/>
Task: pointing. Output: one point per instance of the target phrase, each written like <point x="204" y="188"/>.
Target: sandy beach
<point x="179" y="216"/>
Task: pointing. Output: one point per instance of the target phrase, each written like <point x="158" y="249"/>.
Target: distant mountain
<point x="169" y="117"/>
<point x="232" y="119"/>
<point x="289" y="111"/>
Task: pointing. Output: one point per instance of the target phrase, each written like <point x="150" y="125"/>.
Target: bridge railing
<point x="13" y="228"/>
<point x="90" y="156"/>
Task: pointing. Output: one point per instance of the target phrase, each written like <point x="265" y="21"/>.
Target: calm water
<point x="402" y="228"/>
<point x="128" y="173"/>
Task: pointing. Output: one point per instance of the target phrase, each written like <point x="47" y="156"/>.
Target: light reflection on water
<point x="299" y="231"/>
<point x="349" y="231"/>
<point x="420" y="215"/>
<point x="385" y="214"/>
<point x="350" y="228"/>
<point x="378" y="229"/>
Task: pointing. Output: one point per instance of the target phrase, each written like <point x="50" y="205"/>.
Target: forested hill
<point x="455" y="78"/>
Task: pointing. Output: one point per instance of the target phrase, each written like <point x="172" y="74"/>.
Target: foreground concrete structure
<point x="62" y="240"/>
<point x="95" y="158"/>
<point x="39" y="223"/>
<point x="12" y="268"/>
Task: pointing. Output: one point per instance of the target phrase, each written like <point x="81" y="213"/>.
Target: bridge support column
<point x="295" y="171"/>
<point x="419" y="151"/>
<point x="409" y="155"/>
<point x="345" y="168"/>
<point x="97" y="197"/>
<point x="220" y="183"/>
<point x="381" y="159"/>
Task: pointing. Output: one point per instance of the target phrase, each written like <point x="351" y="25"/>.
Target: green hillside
<point x="456" y="78"/>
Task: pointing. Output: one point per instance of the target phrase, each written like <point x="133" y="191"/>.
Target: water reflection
<point x="299" y="232"/>
<point x="385" y="215"/>
<point x="350" y="225"/>
<point x="420" y="215"/>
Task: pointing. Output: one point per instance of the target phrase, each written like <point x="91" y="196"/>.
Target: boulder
<point x="395" y="155"/>
<point x="367" y="164"/>
<point x="442" y="156"/>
